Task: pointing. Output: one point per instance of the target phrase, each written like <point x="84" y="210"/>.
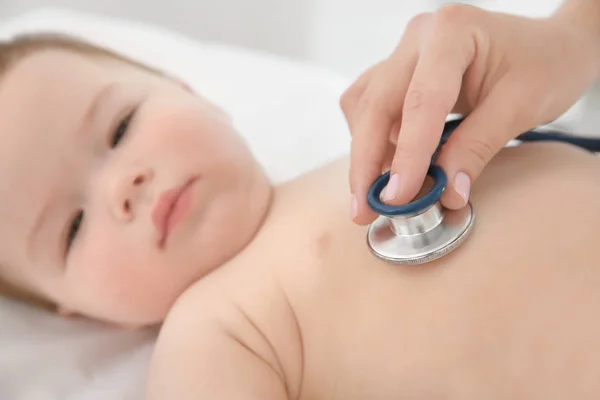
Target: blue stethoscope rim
<point x="440" y="182"/>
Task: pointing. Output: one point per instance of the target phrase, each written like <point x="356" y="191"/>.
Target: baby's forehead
<point x="54" y="72"/>
<point x="46" y="86"/>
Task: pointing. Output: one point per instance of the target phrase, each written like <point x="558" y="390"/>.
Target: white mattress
<point x="287" y="111"/>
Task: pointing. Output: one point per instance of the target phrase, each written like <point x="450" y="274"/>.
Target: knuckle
<point x="350" y="96"/>
<point x="420" y="95"/>
<point x="371" y="101"/>
<point x="481" y="150"/>
<point x="453" y="15"/>
<point x="353" y="93"/>
<point x="416" y="23"/>
<point x="415" y="97"/>
<point x="347" y="100"/>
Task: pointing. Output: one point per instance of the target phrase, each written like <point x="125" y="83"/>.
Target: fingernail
<point x="353" y="207"/>
<point x="392" y="188"/>
<point x="462" y="185"/>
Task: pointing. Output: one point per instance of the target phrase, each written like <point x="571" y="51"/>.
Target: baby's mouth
<point x="170" y="209"/>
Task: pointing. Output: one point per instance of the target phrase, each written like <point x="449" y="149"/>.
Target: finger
<point x="379" y="107"/>
<point x="379" y="110"/>
<point x="348" y="103"/>
<point x="430" y="97"/>
<point x="367" y="153"/>
<point x="479" y="137"/>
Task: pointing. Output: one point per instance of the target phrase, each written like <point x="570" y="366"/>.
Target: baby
<point x="130" y="199"/>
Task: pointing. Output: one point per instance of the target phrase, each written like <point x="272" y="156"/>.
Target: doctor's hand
<point x="505" y="73"/>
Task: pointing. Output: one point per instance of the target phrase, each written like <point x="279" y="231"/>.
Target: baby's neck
<point x="321" y="192"/>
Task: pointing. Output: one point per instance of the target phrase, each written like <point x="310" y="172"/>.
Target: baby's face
<point x="119" y="187"/>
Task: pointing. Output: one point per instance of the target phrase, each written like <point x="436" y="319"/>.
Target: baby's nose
<point x="128" y="191"/>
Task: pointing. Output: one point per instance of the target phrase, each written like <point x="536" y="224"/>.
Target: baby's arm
<point x="203" y="357"/>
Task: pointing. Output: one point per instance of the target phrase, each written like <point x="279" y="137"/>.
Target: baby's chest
<point x="370" y="335"/>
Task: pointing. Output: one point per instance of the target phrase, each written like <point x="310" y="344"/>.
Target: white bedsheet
<point x="287" y="111"/>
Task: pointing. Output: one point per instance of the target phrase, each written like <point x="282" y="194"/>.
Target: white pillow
<point x="287" y="111"/>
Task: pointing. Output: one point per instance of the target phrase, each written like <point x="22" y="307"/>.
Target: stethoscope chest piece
<point x="420" y="231"/>
<point x="418" y="239"/>
<point x="423" y="231"/>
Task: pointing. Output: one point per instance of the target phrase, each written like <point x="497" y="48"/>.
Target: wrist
<point x="581" y="19"/>
<point x="583" y="15"/>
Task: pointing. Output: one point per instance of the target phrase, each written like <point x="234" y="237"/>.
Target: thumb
<point x="473" y="144"/>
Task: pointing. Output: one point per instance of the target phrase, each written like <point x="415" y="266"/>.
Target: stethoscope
<point x="423" y="230"/>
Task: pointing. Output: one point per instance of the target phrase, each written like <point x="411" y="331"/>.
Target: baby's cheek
<point x="201" y="132"/>
<point x="120" y="289"/>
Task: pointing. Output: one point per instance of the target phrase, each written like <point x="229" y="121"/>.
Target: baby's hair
<point x="15" y="49"/>
<point x="19" y="46"/>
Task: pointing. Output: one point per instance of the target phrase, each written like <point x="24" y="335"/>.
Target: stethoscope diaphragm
<point x="420" y="231"/>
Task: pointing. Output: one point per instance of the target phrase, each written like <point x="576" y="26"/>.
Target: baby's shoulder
<point x="231" y="296"/>
<point x="235" y="304"/>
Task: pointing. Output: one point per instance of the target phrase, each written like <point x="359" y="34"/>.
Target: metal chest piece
<point x="421" y="238"/>
<point x="420" y="231"/>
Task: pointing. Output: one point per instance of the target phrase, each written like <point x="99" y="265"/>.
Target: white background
<point x="344" y="35"/>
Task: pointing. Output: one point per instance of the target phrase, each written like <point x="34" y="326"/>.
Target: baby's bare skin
<point x="306" y="312"/>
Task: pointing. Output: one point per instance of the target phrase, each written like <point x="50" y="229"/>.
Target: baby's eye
<point x="121" y="131"/>
<point x="73" y="230"/>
